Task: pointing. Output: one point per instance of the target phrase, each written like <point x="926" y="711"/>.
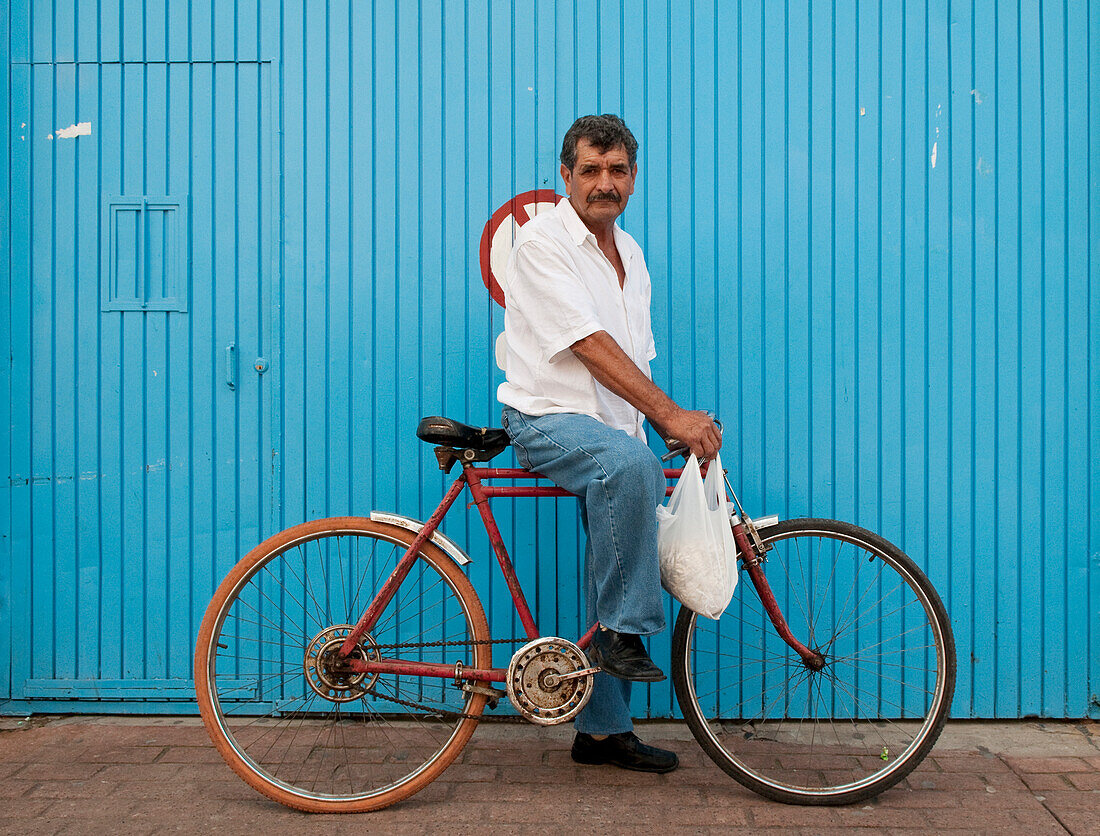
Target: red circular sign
<point x="500" y="234"/>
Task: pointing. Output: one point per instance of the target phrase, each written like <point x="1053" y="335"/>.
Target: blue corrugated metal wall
<point x="869" y="225"/>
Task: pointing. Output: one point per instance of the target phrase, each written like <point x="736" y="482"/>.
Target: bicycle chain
<point x="443" y="712"/>
<point x="514" y="640"/>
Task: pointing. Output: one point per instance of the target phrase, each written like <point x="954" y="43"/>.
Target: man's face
<point x="600" y="183"/>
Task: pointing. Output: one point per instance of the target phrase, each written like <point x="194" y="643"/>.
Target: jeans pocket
<point x="521" y="454"/>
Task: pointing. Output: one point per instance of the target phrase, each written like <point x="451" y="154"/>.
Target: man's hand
<point x="695" y="429"/>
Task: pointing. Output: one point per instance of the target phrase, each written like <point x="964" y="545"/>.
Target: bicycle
<point x="343" y="663"/>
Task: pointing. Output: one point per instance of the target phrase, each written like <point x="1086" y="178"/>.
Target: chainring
<point x="534" y="686"/>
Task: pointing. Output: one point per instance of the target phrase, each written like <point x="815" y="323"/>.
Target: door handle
<point x="231" y="365"/>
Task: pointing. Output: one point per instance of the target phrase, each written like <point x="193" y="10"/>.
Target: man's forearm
<point x="615" y="371"/>
<point x="610" y="365"/>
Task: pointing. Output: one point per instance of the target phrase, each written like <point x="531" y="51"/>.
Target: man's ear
<point x="567" y="177"/>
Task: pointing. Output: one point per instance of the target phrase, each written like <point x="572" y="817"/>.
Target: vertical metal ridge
<point x="856" y="376"/>
<point x="1042" y="350"/>
<point x="350" y="267"/>
<point x="1019" y="332"/>
<point x="326" y="308"/>
<point x="880" y="487"/>
<point x="420" y="230"/>
<point x="949" y="578"/>
<point x="972" y="434"/>
<point x="1068" y="336"/>
<point x="1090" y="393"/>
<point x="787" y="257"/>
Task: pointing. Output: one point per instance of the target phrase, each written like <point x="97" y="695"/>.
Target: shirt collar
<point x="573" y="224"/>
<point x="579" y="233"/>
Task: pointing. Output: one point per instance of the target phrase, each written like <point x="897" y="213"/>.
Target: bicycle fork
<point x="752" y="555"/>
<point x="752" y="558"/>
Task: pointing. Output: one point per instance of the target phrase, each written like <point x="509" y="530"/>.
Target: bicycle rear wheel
<point x="281" y="710"/>
<point x="863" y="722"/>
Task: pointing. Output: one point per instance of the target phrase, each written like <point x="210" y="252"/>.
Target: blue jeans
<point x="620" y="483"/>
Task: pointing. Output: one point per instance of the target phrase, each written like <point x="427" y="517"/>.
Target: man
<point x="579" y="343"/>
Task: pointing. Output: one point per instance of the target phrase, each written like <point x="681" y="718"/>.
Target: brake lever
<point x="681" y="450"/>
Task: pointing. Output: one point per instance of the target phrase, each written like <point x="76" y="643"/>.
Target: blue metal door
<point x="142" y="276"/>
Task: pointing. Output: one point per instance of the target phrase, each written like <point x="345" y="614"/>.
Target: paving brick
<point x="1085" y="780"/>
<point x="916" y="799"/>
<point x="20" y="809"/>
<point x="1042" y="781"/>
<point x="1000" y="800"/>
<point x="969" y="763"/>
<point x="503" y="757"/>
<point x="467" y="772"/>
<point x="969" y="782"/>
<point x="1049" y="764"/>
<point x="979" y="820"/>
<point x="53" y="752"/>
<point x="189" y="754"/>
<point x="782" y="815"/>
<point x="868" y="815"/>
<point x="11" y="768"/>
<point x="148" y="772"/>
<point x="16" y="787"/>
<point x="122" y="754"/>
<point x="78" y="771"/>
<point x="70" y="789"/>
<point x="1072" y="800"/>
<point x="1080" y="821"/>
<point x="81" y="808"/>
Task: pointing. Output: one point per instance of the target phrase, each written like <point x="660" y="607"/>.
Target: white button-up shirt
<point x="559" y="287"/>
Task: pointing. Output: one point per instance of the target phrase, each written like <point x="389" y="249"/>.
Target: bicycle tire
<point x="877" y="714"/>
<point x="299" y="730"/>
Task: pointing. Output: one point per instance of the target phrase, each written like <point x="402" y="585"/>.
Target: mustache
<point x="610" y="197"/>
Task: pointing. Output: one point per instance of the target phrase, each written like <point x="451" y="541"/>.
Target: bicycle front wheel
<point x="865" y="720"/>
<point x="291" y="719"/>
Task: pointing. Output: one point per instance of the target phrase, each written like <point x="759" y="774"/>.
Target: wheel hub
<point x="537" y="683"/>
<point x="329" y="674"/>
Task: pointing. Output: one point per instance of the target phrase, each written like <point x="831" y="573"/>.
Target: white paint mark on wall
<point x="863" y="111"/>
<point x="73" y="131"/>
<point x="977" y="96"/>
<point x="934" y="145"/>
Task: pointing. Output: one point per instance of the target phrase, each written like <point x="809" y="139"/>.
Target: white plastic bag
<point x="698" y="555"/>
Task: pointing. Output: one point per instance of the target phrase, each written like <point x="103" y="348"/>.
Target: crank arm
<point x="556" y="678"/>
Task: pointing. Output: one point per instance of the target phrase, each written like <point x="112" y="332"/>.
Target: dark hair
<point x="604" y="132"/>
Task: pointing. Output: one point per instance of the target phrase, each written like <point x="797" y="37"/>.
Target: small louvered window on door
<point x="145" y="260"/>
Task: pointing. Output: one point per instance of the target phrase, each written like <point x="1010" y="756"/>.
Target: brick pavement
<point x="84" y="775"/>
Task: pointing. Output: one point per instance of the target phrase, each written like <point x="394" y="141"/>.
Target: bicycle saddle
<point x="448" y="432"/>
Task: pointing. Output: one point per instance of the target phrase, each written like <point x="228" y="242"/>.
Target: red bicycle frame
<point x="471" y="477"/>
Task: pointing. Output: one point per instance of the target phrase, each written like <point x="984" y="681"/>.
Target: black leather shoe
<point x="623" y="655"/>
<point x="624" y="750"/>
